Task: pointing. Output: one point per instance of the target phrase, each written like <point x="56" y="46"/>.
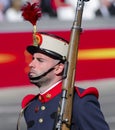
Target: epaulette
<point x="88" y="91"/>
<point x="27" y="99"/>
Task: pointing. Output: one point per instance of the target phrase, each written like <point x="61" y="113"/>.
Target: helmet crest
<point x="31" y="13"/>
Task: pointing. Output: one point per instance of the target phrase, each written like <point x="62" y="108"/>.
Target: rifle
<point x="65" y="112"/>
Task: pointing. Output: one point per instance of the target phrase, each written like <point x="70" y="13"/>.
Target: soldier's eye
<point x="40" y="59"/>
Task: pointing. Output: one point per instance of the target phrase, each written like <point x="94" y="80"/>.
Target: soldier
<point x="46" y="72"/>
<point x="41" y="111"/>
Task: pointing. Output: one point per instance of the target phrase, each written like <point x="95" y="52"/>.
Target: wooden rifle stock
<point x="65" y="113"/>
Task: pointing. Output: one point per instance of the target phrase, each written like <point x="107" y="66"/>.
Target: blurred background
<point x="96" y="55"/>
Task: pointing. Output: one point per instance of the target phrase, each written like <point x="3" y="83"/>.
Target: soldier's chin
<point x="31" y="75"/>
<point x="33" y="79"/>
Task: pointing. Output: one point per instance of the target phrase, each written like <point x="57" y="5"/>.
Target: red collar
<point x="51" y="93"/>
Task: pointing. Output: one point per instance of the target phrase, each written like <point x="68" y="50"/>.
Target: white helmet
<point x="50" y="45"/>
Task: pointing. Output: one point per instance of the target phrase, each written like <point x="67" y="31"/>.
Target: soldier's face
<point x="40" y="64"/>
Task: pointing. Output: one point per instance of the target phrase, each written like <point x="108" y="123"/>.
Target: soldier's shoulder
<point x="27" y="99"/>
<point x="89" y="91"/>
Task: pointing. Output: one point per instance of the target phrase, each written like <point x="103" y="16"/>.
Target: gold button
<point x="40" y="120"/>
<point x="43" y="107"/>
<point x="48" y="95"/>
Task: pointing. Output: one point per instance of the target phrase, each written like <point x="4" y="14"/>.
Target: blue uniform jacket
<point x="41" y="113"/>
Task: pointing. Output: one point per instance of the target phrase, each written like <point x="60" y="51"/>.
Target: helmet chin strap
<point x="35" y="79"/>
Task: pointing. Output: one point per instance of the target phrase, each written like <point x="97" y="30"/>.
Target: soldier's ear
<point x="59" y="68"/>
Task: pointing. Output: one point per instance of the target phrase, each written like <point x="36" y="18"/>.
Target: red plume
<point x="31" y="12"/>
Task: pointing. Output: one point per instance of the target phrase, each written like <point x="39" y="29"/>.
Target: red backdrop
<point x="13" y="62"/>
